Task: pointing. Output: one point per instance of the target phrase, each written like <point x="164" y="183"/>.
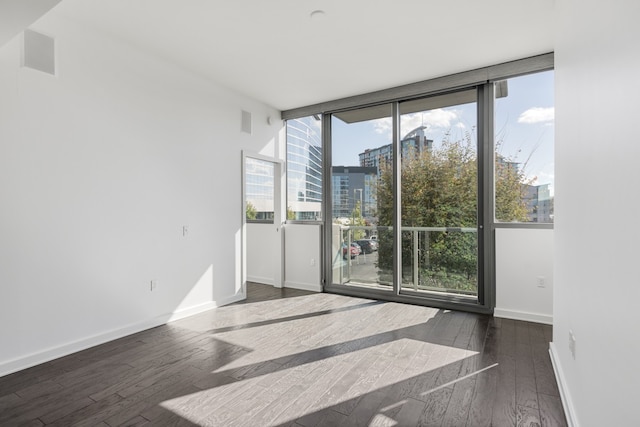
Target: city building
<point x="259" y="190"/>
<point x="304" y="169"/>
<point x="353" y="186"/>
<point x="414" y="143"/>
<point x="536" y="198"/>
<point x="539" y="203"/>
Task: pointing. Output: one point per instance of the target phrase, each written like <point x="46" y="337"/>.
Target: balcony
<point x="434" y="259"/>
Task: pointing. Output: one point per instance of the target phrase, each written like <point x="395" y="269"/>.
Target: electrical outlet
<point x="572" y="344"/>
<point x="313" y="262"/>
<point x="185" y="230"/>
<point x="153" y="285"/>
<point x="541" y="281"/>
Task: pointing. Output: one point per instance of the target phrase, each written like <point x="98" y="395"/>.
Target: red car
<point x="355" y="250"/>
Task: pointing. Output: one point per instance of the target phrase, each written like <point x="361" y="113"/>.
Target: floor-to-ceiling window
<point x="417" y="179"/>
<point x="419" y="237"/>
<point x="439" y="194"/>
<point x="361" y="238"/>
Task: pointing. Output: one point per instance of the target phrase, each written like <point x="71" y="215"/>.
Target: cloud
<point x="537" y="115"/>
<point x="382" y="126"/>
<point x="438" y="119"/>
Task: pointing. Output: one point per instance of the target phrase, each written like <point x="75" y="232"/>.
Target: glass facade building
<point x="353" y="186"/>
<point x="259" y="189"/>
<point x="304" y="168"/>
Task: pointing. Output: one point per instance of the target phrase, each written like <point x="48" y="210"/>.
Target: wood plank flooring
<point x="292" y="358"/>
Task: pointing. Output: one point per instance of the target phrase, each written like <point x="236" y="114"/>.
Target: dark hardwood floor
<point x="292" y="358"/>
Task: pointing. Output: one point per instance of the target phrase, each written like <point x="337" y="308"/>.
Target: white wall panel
<point x="523" y="256"/>
<point x="302" y="257"/>
<point x="101" y="167"/>
<point x="262" y="245"/>
<point x="597" y="284"/>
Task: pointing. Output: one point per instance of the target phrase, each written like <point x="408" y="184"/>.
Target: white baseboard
<point x="312" y="287"/>
<point x="565" y="397"/>
<point x="33" y="359"/>
<point x="201" y="308"/>
<point x="263" y="280"/>
<point x="52" y="353"/>
<point x="546" y="319"/>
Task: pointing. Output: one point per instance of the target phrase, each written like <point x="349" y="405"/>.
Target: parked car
<point x="354" y="250"/>
<point x="368" y="245"/>
<point x="357" y="246"/>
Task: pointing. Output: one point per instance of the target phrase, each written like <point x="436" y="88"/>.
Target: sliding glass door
<point x="439" y="195"/>
<point x="361" y="239"/>
<point x="404" y="203"/>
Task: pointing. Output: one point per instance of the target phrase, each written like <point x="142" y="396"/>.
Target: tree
<point x="357" y="221"/>
<point x="251" y="212"/>
<point x="439" y="189"/>
<point x="510" y="185"/>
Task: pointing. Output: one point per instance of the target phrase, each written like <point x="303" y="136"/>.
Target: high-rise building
<point x="304" y="168"/>
<point x="414" y="143"/>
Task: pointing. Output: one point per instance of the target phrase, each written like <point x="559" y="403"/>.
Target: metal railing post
<point x="416" y="260"/>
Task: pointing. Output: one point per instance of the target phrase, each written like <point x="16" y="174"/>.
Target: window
<point x="259" y="190"/>
<point x="439" y="194"/>
<point x="304" y="169"/>
<point x="361" y="153"/>
<point x="524" y="119"/>
<point x="411" y="171"/>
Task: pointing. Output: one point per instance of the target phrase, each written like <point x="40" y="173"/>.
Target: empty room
<point x="318" y="213"/>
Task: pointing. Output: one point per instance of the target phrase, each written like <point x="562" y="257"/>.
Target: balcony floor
<point x="293" y="358"/>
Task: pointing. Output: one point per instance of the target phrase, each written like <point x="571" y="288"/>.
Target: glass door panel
<point x="361" y="237"/>
<point x="439" y="195"/>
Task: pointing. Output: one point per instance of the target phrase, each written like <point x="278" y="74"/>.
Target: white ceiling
<point x="273" y="51"/>
<point x="15" y="15"/>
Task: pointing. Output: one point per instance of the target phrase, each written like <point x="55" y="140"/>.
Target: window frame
<point x="483" y="79"/>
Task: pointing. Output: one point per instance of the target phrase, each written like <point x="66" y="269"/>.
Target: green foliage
<point x="357" y="221"/>
<point x="510" y="187"/>
<point x="291" y="215"/>
<point x="439" y="189"/>
<point x="251" y="211"/>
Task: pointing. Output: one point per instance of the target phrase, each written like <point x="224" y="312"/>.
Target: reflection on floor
<point x="291" y="358"/>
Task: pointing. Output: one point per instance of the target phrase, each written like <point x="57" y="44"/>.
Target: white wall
<point x="522" y="256"/>
<point x="100" y="168"/>
<point x="302" y="256"/>
<point x="262" y="259"/>
<point x="302" y="259"/>
<point x="597" y="278"/>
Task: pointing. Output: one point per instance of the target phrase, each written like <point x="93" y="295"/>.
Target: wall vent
<point x="38" y="52"/>
<point x="246" y="122"/>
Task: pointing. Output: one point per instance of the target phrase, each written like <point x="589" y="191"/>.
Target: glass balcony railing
<point x="434" y="259"/>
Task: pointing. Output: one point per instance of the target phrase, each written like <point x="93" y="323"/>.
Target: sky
<point x="524" y="130"/>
